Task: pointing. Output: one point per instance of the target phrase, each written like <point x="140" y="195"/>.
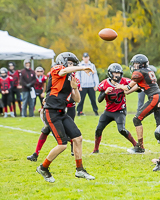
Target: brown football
<point x="107" y="34"/>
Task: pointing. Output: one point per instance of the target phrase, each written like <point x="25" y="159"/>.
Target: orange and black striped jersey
<point x="146" y="79"/>
<point x="58" y="89"/>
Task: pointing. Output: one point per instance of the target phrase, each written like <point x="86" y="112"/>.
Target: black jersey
<point x="58" y="89"/>
<point x="146" y="79"/>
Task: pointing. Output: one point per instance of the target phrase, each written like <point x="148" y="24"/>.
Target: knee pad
<point x="136" y="121"/>
<point x="45" y="130"/>
<point x="157" y="133"/>
<point x="124" y="132"/>
<point x="98" y="133"/>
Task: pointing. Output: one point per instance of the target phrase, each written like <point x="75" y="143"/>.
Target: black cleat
<point x="157" y="167"/>
<point x="95" y="151"/>
<point x="80" y="114"/>
<point x="33" y="157"/>
<point x="96" y="113"/>
<point x="136" y="149"/>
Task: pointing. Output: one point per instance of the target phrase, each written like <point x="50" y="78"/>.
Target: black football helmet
<point x="62" y="59"/>
<point x="140" y="59"/>
<point x="115" y="67"/>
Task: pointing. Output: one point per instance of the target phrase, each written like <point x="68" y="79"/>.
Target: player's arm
<point x="75" y="92"/>
<point x="104" y="93"/>
<point x="125" y="87"/>
<point x="68" y="70"/>
<point x="133" y="89"/>
<point x="44" y="89"/>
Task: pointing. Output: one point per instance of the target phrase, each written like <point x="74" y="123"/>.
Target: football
<point x="108" y="34"/>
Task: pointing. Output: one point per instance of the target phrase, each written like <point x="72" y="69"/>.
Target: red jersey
<point x="39" y="82"/>
<point x="115" y="100"/>
<point x="15" y="76"/>
<point x="5" y="83"/>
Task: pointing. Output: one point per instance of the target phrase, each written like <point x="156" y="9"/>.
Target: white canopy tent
<point x="12" y="48"/>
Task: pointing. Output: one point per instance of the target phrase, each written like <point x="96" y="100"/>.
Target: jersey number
<point x="116" y="98"/>
<point x="152" y="77"/>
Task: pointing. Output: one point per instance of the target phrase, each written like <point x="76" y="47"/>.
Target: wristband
<point x="129" y="87"/>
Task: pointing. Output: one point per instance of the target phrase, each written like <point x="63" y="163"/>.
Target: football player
<point x="46" y="130"/>
<point x="6" y="84"/>
<point x="15" y="90"/>
<point x="40" y="84"/>
<point x="115" y="104"/>
<point x="61" y="87"/>
<point x="143" y="77"/>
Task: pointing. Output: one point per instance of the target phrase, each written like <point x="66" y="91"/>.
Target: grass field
<point x="119" y="175"/>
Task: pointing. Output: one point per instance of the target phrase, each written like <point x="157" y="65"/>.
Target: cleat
<point x="45" y="173"/>
<point x="12" y="114"/>
<point x="158" y="141"/>
<point x="81" y="114"/>
<point x="33" y="157"/>
<point x="72" y="153"/>
<point x="157" y="167"/>
<point x="95" y="151"/>
<point x="82" y="173"/>
<point x="96" y="113"/>
<point x="5" y="114"/>
<point x="136" y="149"/>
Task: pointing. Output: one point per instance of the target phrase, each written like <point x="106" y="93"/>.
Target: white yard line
<point x="89" y="141"/>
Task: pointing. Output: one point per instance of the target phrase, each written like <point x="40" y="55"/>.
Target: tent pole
<point x="32" y="64"/>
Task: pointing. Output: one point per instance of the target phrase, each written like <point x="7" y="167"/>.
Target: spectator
<point x="6" y="84"/>
<point x="89" y="85"/>
<point x="27" y="80"/>
<point x="40" y="84"/>
<point x="15" y="90"/>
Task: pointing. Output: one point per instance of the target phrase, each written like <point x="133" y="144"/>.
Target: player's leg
<point x="71" y="111"/>
<point x="18" y="96"/>
<point x="120" y="118"/>
<point x="31" y="105"/>
<point x="104" y="120"/>
<point x="24" y="103"/>
<point x="141" y="97"/>
<point x="80" y="104"/>
<point x="145" y="110"/>
<point x="53" y="119"/>
<point x="13" y="101"/>
<point x="92" y="96"/>
<point x="45" y="132"/>
<point x="74" y="133"/>
<point x="9" y="100"/>
<point x="4" y="100"/>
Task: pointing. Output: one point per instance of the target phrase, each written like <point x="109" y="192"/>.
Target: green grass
<point x="119" y="175"/>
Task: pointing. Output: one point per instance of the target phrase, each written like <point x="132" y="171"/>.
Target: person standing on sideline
<point x="27" y="80"/>
<point x="61" y="87"/>
<point x="6" y="85"/>
<point x="89" y="85"/>
<point x="40" y="85"/>
<point x="15" y="90"/>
